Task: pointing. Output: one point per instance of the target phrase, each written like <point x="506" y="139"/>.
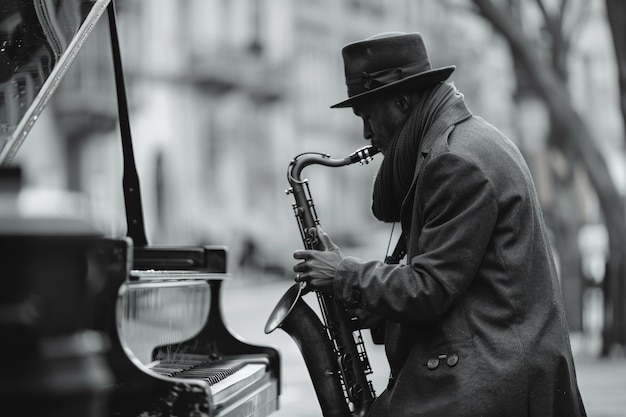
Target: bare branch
<point x="563" y="7"/>
<point x="578" y="20"/>
<point x="544" y="11"/>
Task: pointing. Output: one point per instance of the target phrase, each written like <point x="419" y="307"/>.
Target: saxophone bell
<point x="284" y="306"/>
<point x="293" y="315"/>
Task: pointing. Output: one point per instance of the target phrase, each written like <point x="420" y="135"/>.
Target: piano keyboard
<point x="211" y="372"/>
<point x="224" y="377"/>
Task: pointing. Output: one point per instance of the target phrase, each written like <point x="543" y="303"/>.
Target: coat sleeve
<point x="459" y="211"/>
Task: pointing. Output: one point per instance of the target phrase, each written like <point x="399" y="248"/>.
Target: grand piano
<point x="138" y="328"/>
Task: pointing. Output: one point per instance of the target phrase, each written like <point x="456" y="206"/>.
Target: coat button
<point x="452" y="360"/>
<point x="432" y="363"/>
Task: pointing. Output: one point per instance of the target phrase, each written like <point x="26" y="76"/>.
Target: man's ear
<point x="404" y="102"/>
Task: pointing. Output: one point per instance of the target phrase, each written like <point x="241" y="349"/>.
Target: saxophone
<point x="334" y="353"/>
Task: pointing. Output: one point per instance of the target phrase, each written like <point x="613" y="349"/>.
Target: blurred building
<point x="224" y="93"/>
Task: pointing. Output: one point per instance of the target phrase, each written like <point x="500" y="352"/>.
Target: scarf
<point x="395" y="175"/>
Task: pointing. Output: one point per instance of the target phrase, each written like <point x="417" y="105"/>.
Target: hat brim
<point x="423" y="79"/>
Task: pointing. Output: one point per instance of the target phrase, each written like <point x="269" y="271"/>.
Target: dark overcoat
<point x="475" y="324"/>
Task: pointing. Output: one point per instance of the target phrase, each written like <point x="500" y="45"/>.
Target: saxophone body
<point x="333" y="352"/>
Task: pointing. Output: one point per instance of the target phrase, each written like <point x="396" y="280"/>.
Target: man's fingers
<point x="318" y="284"/>
<point x="299" y="267"/>
<point x="301" y="254"/>
<point x="325" y="239"/>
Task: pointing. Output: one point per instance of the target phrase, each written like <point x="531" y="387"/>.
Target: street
<point x="248" y="300"/>
<point x="247" y="303"/>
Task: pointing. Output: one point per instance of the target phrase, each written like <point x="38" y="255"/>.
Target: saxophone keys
<point x="355" y="392"/>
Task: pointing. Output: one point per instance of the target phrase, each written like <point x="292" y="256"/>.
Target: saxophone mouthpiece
<point x="364" y="155"/>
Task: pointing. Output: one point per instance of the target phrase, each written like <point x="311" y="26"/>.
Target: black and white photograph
<point x="329" y="208"/>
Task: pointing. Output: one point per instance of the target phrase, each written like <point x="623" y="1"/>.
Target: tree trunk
<point x="555" y="95"/>
<point x="616" y="12"/>
<point x="561" y="211"/>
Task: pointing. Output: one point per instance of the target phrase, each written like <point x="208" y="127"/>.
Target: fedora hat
<point x="386" y="61"/>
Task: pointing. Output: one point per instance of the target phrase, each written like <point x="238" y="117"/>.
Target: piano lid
<point x="38" y="41"/>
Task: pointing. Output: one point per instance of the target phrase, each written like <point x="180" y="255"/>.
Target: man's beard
<point x="392" y="180"/>
<point x="397" y="170"/>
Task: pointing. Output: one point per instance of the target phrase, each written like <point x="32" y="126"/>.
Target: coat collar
<point x="442" y="126"/>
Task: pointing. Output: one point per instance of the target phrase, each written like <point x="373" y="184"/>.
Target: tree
<point x="554" y="93"/>
<point x="555" y="35"/>
<point x="616" y="12"/>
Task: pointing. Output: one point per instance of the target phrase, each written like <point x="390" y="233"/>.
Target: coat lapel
<point x="441" y="127"/>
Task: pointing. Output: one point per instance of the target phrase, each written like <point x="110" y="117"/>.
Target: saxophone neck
<point x="304" y="208"/>
<point x="363" y="155"/>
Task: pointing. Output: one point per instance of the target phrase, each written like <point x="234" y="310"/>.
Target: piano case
<point x="149" y="309"/>
<point x="170" y="352"/>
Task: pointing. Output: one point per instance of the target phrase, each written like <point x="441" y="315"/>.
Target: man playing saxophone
<point x="474" y="320"/>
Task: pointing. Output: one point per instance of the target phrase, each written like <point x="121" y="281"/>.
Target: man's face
<point x="382" y="117"/>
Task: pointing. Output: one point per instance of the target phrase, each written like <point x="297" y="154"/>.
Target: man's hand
<point x="318" y="267"/>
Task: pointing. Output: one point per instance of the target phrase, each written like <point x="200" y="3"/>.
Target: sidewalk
<point x="602" y="381"/>
<point x="602" y="384"/>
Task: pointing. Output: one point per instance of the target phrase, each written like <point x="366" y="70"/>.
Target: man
<point x="475" y="324"/>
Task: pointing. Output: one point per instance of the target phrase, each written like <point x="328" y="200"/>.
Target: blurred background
<point x="224" y="93"/>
